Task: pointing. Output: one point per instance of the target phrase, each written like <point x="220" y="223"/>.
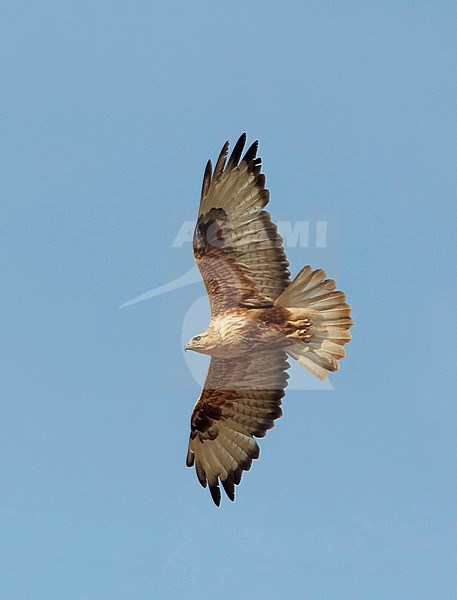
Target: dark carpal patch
<point x="205" y="416"/>
<point x="209" y="232"/>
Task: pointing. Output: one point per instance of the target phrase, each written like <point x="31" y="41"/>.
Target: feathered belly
<point x="240" y="334"/>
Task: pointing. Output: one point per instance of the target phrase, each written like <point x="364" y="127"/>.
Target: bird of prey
<point x="259" y="318"/>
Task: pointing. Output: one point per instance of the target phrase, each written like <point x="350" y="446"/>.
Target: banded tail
<point x="312" y="298"/>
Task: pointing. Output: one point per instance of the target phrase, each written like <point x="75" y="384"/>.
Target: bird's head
<point x="199" y="343"/>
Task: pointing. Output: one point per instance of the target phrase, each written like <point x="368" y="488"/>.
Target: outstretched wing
<point x="236" y="246"/>
<point x="241" y="399"/>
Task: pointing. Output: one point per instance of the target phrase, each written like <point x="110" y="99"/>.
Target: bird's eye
<point x="197" y="338"/>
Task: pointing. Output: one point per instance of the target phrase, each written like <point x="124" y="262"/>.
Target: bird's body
<point x="243" y="330"/>
<point x="258" y="318"/>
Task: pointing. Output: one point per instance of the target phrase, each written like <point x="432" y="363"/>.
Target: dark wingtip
<point x="237" y="151"/>
<point x="220" y="164"/>
<point x="251" y="152"/>
<point x="207" y="178"/>
<point x="229" y="487"/>
<point x="215" y="494"/>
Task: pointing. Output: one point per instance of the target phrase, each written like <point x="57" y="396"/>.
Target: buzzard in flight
<point x="259" y="317"/>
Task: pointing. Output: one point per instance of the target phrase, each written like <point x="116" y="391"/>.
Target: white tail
<point x="311" y="296"/>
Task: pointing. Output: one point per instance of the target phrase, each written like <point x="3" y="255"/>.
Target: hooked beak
<point x="186" y="348"/>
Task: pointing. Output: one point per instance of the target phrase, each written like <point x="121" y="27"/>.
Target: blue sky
<point x="109" y="113"/>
